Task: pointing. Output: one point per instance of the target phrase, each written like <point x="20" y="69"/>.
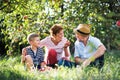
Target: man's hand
<point x="85" y="63"/>
<point x="79" y="60"/>
<point x="88" y="61"/>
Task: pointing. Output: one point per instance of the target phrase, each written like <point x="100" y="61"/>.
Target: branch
<point x="4" y="6"/>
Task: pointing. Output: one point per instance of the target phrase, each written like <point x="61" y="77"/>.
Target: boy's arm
<point x="42" y="64"/>
<point x="24" y="53"/>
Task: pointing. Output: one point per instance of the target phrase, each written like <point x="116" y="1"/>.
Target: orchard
<point x="18" y="18"/>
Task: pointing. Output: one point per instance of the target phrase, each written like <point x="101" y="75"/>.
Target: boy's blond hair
<point x="31" y="37"/>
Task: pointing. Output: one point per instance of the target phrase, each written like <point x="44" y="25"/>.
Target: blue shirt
<point x="38" y="58"/>
<point x="87" y="51"/>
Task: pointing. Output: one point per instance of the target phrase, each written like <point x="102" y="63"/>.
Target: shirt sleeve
<point x="43" y="42"/>
<point x="76" y="52"/>
<point x="97" y="42"/>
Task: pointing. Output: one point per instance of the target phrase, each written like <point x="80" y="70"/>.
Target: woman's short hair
<point x="56" y="28"/>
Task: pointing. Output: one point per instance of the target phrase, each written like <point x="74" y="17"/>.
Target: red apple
<point x="25" y="17"/>
<point x="118" y="23"/>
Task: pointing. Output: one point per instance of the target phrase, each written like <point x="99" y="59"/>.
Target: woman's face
<point x="58" y="37"/>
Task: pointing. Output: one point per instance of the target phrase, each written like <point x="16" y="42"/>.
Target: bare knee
<point x="28" y="59"/>
<point x="29" y="62"/>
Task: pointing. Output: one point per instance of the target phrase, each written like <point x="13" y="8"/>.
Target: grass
<point x="12" y="69"/>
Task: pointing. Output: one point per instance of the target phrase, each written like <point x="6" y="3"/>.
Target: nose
<point x="39" y="42"/>
<point x="62" y="34"/>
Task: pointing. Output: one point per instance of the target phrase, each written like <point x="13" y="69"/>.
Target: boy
<point x="32" y="55"/>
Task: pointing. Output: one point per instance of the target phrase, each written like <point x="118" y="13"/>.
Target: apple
<point x="25" y="17"/>
<point x="118" y="23"/>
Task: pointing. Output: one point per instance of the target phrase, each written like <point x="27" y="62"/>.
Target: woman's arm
<point x="66" y="49"/>
<point x="67" y="52"/>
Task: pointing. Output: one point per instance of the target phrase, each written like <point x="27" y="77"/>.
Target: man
<point x="89" y="50"/>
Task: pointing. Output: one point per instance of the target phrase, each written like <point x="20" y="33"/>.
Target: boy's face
<point x="35" y="42"/>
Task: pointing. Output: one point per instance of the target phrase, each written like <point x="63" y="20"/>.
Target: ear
<point x="30" y="42"/>
<point x="53" y="35"/>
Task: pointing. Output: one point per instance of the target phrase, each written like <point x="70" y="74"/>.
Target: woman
<point x="56" y="46"/>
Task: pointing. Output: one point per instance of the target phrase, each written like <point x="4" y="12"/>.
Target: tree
<point x="21" y="17"/>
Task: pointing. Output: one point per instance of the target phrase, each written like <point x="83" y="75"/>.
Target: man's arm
<point x="99" y="52"/>
<point x="78" y="60"/>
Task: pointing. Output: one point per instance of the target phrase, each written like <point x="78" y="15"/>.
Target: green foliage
<point x="21" y="17"/>
<point x="11" y="69"/>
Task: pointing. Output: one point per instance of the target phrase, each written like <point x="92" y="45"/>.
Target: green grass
<point x="12" y="69"/>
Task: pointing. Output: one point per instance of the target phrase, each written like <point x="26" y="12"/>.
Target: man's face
<point x="35" y="42"/>
<point x="81" y="38"/>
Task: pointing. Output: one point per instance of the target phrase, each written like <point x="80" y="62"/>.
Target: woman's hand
<point x="67" y="44"/>
<point x="65" y="58"/>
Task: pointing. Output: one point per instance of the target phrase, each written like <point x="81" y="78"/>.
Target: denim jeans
<point x="66" y="63"/>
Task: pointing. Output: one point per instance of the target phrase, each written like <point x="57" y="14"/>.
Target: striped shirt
<point x="38" y="57"/>
<point x="48" y="43"/>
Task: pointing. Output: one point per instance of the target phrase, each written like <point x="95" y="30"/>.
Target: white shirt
<point x="87" y="51"/>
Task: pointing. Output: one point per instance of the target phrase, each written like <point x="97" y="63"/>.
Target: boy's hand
<point x="24" y="53"/>
<point x="45" y="68"/>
